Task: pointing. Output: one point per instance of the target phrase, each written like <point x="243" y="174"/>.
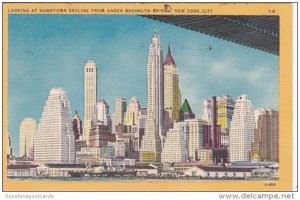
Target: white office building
<point x="101" y="113"/>
<point x="175" y="147"/>
<point x="54" y="141"/>
<point x="241" y="134"/>
<point x="195" y="136"/>
<point x="90" y="96"/>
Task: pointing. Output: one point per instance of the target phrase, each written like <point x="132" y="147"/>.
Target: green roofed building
<point x="186" y="111"/>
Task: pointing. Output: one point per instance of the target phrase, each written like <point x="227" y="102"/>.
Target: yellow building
<point x="172" y="97"/>
<point x="132" y="111"/>
<point x="225" y="106"/>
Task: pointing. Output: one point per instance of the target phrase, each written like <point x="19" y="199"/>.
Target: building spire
<point x="169" y="59"/>
<point x="155" y="33"/>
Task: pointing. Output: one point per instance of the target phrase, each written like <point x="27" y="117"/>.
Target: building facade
<point x="120" y="109"/>
<point x="151" y="143"/>
<point x="77" y="126"/>
<point x="100" y="135"/>
<point x="132" y="112"/>
<point x="241" y="134"/>
<point x="266" y="135"/>
<point x="101" y="114"/>
<point x="54" y="141"/>
<point x="27" y="131"/>
<point x="90" y="96"/>
<point x="195" y="137"/>
<point x="174" y="149"/>
<point x="225" y="107"/>
<point x="172" y="97"/>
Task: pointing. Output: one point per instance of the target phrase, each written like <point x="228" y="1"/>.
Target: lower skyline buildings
<point x="174" y="149"/>
<point x="195" y="136"/>
<point x="54" y="141"/>
<point x="266" y="131"/>
<point x="241" y="134"/>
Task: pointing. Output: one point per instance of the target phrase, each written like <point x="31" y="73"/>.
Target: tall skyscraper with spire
<point x="90" y="96"/>
<point x="154" y="131"/>
<point x="54" y="141"/>
<point x="27" y="131"/>
<point x="172" y="97"/>
<point x="241" y="133"/>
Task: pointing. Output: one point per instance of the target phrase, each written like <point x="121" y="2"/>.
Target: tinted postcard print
<point x="153" y="97"/>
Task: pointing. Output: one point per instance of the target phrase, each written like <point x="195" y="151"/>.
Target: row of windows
<point x="90" y="70"/>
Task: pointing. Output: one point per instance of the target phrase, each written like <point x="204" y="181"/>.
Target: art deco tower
<point x="54" y="141"/>
<point x="241" y="133"/>
<point x="27" y="131"/>
<point x="151" y="143"/>
<point x="90" y="96"/>
<point x="172" y="98"/>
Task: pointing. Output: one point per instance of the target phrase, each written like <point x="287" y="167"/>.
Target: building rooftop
<point x="186" y="107"/>
<point x="226" y="169"/>
<point x="140" y="167"/>
<point x="169" y="59"/>
<point x="65" y="165"/>
<point x="21" y="166"/>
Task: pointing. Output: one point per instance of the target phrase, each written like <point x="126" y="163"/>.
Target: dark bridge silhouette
<point x="259" y="32"/>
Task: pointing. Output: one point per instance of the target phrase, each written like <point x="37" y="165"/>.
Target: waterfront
<point x="135" y="179"/>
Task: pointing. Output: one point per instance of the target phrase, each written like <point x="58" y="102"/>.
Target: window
<point x="194" y="173"/>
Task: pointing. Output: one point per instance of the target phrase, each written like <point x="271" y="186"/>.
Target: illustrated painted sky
<point x="47" y="51"/>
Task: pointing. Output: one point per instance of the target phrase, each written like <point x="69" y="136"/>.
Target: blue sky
<point x="47" y="51"/>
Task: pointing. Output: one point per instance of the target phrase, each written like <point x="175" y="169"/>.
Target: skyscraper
<point x="175" y="147"/>
<point x="90" y="96"/>
<point x="241" y="134"/>
<point x="151" y="143"/>
<point x="120" y="109"/>
<point x="172" y="98"/>
<point x="77" y="126"/>
<point x="266" y="135"/>
<point x="132" y="112"/>
<point x="54" y="141"/>
<point x="225" y="107"/>
<point x="101" y="113"/>
<point x="195" y="136"/>
<point x="27" y="131"/>
<point x="207" y="111"/>
<point x="218" y="112"/>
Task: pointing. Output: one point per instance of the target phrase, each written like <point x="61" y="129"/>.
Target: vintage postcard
<point x="147" y="97"/>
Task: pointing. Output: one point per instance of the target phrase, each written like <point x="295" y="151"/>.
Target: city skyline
<point x="188" y="55"/>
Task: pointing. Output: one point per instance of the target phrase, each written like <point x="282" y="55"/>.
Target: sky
<point x="47" y="51"/>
